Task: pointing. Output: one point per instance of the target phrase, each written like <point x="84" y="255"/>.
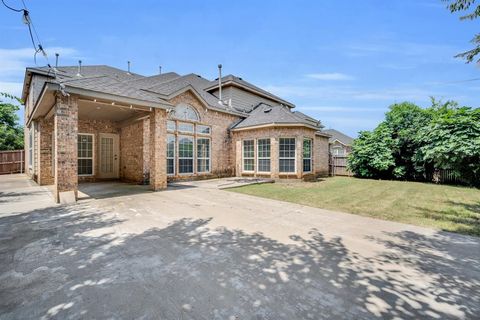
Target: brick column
<point x="238" y="157"/>
<point x="158" y="149"/>
<point x="146" y="150"/>
<point x="274" y="149"/>
<point x="66" y="131"/>
<point x="45" y="173"/>
<point x="299" y="159"/>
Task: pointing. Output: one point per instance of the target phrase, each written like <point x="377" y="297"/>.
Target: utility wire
<point x="16" y="10"/>
<point x="37" y="46"/>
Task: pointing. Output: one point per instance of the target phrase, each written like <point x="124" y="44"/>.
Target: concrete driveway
<point x="197" y="252"/>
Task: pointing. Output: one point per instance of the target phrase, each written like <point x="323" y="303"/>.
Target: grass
<point x="449" y="208"/>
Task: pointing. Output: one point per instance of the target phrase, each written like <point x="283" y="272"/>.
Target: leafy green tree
<point x="372" y="155"/>
<point x="11" y="132"/>
<point x="452" y="141"/>
<point x="473" y="13"/>
<point x="404" y="120"/>
<point x="412" y="142"/>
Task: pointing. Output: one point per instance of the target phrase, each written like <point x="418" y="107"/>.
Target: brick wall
<point x="222" y="163"/>
<point x="46" y="176"/>
<point x="320" y="151"/>
<point x="66" y="129"/>
<point x="132" y="152"/>
<point x="95" y="127"/>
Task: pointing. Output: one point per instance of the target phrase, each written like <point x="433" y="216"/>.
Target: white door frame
<point x="115" y="155"/>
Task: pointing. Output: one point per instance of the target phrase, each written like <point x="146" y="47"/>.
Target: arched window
<point x="186" y="112"/>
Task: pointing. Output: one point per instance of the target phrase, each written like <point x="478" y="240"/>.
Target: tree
<point x="372" y="155"/>
<point x="452" y="141"/>
<point x="473" y="13"/>
<point x="11" y="132"/>
<point x="412" y="142"/>
<point x="404" y="120"/>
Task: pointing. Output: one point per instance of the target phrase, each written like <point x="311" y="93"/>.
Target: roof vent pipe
<point x="159" y="69"/>
<point x="56" y="59"/>
<point x="79" y="72"/>
<point x="220" y="83"/>
<point x="128" y="63"/>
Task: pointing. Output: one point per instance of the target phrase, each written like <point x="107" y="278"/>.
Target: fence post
<point x="21" y="161"/>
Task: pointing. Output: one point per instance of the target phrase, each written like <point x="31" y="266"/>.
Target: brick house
<point x="340" y="143"/>
<point x="93" y="123"/>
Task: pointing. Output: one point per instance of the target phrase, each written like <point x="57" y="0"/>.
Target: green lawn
<point x="443" y="207"/>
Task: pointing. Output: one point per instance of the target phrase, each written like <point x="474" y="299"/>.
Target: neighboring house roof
<point x="339" y="136"/>
<point x="264" y="114"/>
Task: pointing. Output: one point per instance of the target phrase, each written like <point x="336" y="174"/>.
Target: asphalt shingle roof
<point x="337" y="135"/>
<point x="232" y="78"/>
<point x="160" y="88"/>
<point x="265" y="114"/>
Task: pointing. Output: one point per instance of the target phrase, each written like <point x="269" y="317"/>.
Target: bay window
<point x="287" y="155"/>
<point x="307" y="155"/>
<point x="263" y="154"/>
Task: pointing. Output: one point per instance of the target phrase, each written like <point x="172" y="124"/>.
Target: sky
<point x="342" y="62"/>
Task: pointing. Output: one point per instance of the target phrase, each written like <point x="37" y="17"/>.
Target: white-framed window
<point x="263" y="155"/>
<point x="203" y="155"/>
<point x="171" y="125"/>
<point x="186" y="127"/>
<point x="307" y="155"/>
<point x="170" y="154"/>
<point x="30" y="146"/>
<point x="338" y="151"/>
<point x="186" y="112"/>
<point x="185" y="155"/>
<point x="85" y="154"/>
<point x="202" y="129"/>
<point x="248" y="155"/>
<point x="286" y="155"/>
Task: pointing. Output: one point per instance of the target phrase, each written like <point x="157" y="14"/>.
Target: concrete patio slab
<point x="198" y="252"/>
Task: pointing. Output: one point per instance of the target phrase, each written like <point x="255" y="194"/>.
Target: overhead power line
<point x="16" y="10"/>
<point x="37" y="46"/>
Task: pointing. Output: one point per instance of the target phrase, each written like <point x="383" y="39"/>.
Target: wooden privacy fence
<point x="338" y="166"/>
<point x="12" y="161"/>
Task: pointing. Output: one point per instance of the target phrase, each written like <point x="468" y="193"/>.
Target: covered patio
<point x="86" y="136"/>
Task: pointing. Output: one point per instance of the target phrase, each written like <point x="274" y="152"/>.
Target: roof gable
<point x="264" y="114"/>
<point x="339" y="136"/>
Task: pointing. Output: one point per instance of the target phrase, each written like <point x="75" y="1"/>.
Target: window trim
<point x="338" y="148"/>
<point x="179" y="123"/>
<point x="311" y="154"/>
<point x="249" y="158"/>
<point x="188" y="106"/>
<point x="93" y="154"/>
<point x="264" y="158"/>
<point x="283" y="158"/>
<point x="174" y="125"/>
<point x="201" y="158"/>
<point x="174" y="154"/>
<point x="179" y="137"/>
<point x="201" y="133"/>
